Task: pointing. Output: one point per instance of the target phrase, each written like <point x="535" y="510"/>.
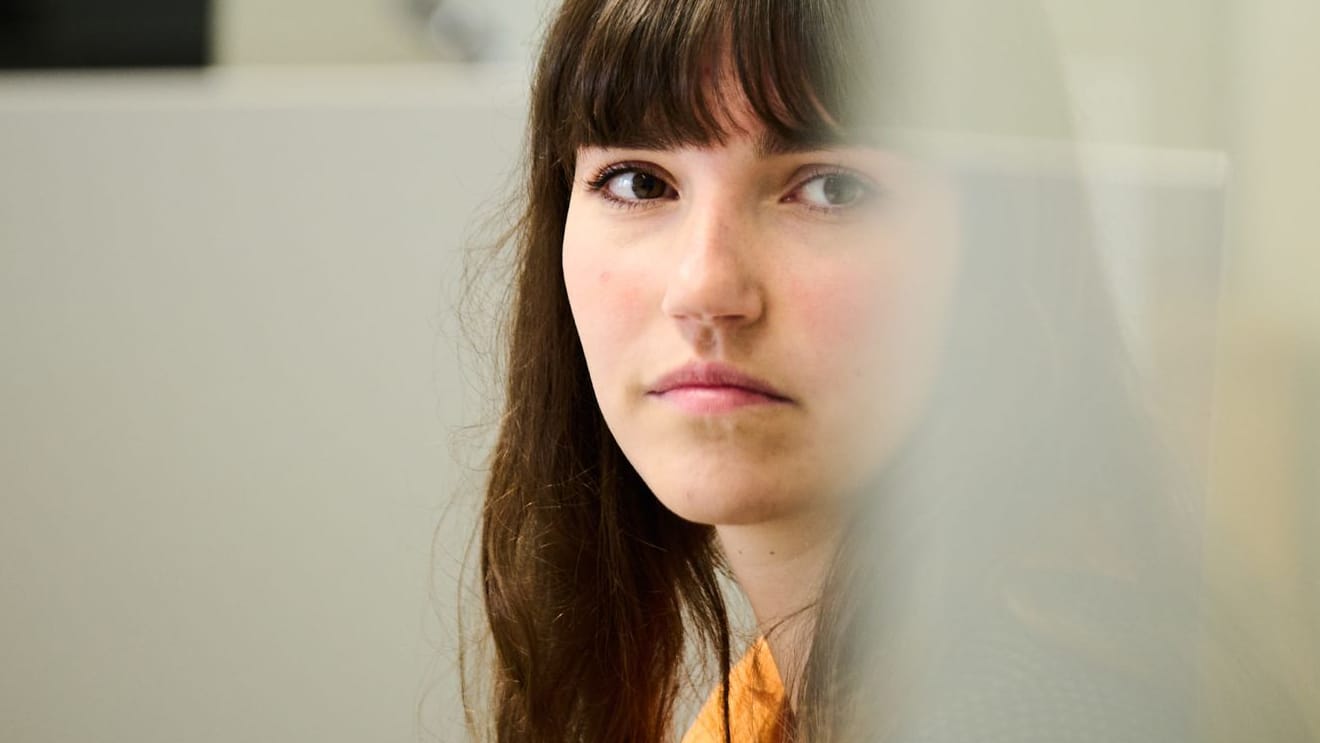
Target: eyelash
<point x="598" y="182"/>
<point x="868" y="186"/>
<point x="606" y="174"/>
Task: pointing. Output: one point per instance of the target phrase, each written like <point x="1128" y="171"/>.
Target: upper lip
<point x="713" y="374"/>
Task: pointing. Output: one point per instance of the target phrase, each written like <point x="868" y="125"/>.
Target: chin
<point x="730" y="501"/>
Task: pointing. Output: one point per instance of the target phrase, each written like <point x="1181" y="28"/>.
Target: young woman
<point x="746" y="310"/>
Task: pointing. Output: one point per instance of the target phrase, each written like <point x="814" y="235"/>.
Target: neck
<point x="780" y="566"/>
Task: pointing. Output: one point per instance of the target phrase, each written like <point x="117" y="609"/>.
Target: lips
<point x="714" y="388"/>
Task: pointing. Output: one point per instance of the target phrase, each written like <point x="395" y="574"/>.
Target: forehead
<point x="726" y="115"/>
<point x="671" y="74"/>
<point x="740" y="120"/>
<point x="765" y="142"/>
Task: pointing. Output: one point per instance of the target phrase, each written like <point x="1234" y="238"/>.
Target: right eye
<point x="631" y="185"/>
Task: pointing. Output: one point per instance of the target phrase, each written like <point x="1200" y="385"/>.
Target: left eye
<point x="636" y="185"/>
<point x="834" y="191"/>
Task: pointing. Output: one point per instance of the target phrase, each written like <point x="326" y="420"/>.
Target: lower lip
<point x="707" y="400"/>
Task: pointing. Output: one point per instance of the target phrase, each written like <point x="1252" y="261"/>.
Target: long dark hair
<point x="593" y="590"/>
<point x="594" y="593"/>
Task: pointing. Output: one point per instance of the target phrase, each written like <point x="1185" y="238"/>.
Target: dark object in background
<point x="104" y="33"/>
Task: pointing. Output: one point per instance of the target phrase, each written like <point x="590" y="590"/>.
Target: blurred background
<point x="235" y="400"/>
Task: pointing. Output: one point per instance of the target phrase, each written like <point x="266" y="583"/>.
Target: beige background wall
<point x="368" y="31"/>
<point x="230" y="391"/>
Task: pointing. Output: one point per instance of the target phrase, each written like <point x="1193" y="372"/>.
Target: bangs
<point x="649" y="73"/>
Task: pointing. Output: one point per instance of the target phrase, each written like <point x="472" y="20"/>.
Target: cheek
<point x="843" y="315"/>
<point x="611" y="300"/>
<point x="869" y="327"/>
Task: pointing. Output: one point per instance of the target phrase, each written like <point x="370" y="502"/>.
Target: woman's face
<point x="758" y="320"/>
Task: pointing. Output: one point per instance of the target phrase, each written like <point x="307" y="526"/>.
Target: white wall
<point x="229" y="390"/>
<point x="370" y="31"/>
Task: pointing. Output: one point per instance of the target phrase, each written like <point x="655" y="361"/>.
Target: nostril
<point x="712" y="294"/>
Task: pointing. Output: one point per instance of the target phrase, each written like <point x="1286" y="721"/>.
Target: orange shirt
<point x="756" y="703"/>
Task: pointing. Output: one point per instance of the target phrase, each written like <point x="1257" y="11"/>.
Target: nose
<point x="714" y="286"/>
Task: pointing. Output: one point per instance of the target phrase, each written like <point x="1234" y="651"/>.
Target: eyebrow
<point x="770" y="143"/>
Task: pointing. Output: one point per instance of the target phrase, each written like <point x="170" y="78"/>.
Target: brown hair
<point x="594" y="592"/>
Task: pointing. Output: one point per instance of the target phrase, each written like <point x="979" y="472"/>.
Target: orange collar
<point x="757" y="703"/>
